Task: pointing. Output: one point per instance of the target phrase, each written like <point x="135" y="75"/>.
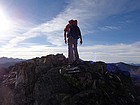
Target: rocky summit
<point x="51" y="80"/>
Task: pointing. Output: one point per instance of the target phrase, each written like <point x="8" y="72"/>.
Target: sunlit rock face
<point x="51" y="80"/>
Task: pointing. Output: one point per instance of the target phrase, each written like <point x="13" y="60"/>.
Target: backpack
<point x="74" y="31"/>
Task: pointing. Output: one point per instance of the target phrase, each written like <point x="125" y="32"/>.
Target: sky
<point x="34" y="28"/>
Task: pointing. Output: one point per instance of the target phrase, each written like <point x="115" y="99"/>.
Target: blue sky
<point x="110" y="28"/>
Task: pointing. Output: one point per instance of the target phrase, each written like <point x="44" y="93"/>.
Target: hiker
<point x="72" y="32"/>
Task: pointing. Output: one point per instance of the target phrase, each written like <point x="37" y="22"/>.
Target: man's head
<point x="73" y="22"/>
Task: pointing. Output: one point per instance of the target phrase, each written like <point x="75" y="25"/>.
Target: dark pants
<point x="72" y="50"/>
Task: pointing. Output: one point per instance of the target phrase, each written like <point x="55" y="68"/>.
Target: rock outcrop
<point x="50" y="80"/>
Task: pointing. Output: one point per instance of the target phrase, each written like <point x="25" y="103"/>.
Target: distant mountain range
<point x="135" y="64"/>
<point x="133" y="69"/>
<point x="6" y="62"/>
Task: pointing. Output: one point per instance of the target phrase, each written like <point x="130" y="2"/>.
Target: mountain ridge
<point x="4" y="60"/>
<point x="50" y="80"/>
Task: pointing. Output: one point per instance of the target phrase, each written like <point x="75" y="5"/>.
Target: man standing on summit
<point x="72" y="32"/>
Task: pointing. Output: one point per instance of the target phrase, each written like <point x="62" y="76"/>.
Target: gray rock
<point x="49" y="80"/>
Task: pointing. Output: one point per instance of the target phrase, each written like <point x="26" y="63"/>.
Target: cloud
<point x="88" y="13"/>
<point x="129" y="53"/>
<point x="15" y="34"/>
<point x="109" y="28"/>
<point x="114" y="53"/>
<point x="31" y="51"/>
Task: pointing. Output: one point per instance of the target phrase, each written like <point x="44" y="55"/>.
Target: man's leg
<point x="75" y="50"/>
<point x="70" y="50"/>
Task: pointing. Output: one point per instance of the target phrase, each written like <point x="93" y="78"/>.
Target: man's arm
<point x="65" y="33"/>
<point x="80" y="36"/>
<point x="81" y="40"/>
<point x="65" y="36"/>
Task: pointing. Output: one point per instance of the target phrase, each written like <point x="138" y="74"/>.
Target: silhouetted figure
<point x="72" y="32"/>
